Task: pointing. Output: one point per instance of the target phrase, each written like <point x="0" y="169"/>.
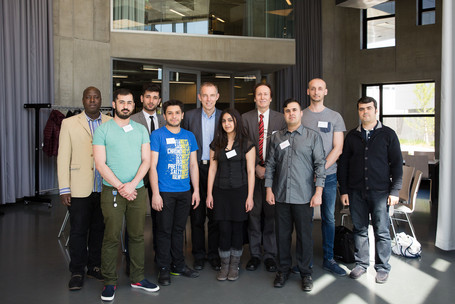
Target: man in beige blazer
<point x="80" y="186"/>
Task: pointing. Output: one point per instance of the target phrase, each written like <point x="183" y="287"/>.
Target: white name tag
<point x="127" y="128"/>
<point x="170" y="141"/>
<point x="231" y="154"/>
<point x="323" y="124"/>
<point x="284" y="144"/>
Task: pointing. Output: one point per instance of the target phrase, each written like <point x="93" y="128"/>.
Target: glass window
<point x="426" y="12"/>
<point x="409" y="110"/>
<point x="379" y="26"/>
<point x="258" y="18"/>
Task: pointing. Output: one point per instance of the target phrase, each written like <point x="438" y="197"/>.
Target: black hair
<point x="220" y="139"/>
<point x="172" y="102"/>
<point x="367" y="99"/>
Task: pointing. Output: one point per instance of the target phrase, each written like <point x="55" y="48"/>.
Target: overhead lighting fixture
<point x="150" y="68"/>
<point x="288" y="2"/>
<point x="182" y="82"/>
<point x="220" y="20"/>
<point x="222" y="76"/>
<point x="119" y="76"/>
<point x="178" y="13"/>
<point x="250" y="77"/>
<point x="237" y="87"/>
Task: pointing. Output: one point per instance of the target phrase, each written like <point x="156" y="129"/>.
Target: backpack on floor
<point x="407" y="246"/>
<point x="344" y="247"/>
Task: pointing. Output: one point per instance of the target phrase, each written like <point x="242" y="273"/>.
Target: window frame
<point x="365" y="20"/>
<point x="421" y="10"/>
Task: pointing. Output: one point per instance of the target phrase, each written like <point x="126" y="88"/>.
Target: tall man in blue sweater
<point x="370" y="175"/>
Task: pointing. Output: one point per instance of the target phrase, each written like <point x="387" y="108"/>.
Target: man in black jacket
<point x="370" y="175"/>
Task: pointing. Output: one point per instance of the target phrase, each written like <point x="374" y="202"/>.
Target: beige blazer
<point x="75" y="164"/>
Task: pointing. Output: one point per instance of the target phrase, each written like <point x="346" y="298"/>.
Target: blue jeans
<point x="329" y="195"/>
<point x="361" y="205"/>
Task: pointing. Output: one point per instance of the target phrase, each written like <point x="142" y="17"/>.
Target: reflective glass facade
<point x="254" y="18"/>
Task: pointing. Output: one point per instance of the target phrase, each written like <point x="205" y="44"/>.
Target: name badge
<point x="127" y="128"/>
<point x="323" y="124"/>
<point x="284" y="144"/>
<point x="170" y="141"/>
<point x="231" y="154"/>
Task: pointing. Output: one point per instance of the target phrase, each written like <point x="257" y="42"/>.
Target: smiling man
<point x="202" y="123"/>
<point x="173" y="166"/>
<point x="294" y="179"/>
<point x="80" y="188"/>
<point x="260" y="124"/>
<point x="370" y="175"/>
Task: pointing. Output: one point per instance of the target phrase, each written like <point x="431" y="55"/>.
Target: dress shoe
<point x="253" y="264"/>
<point x="280" y="279"/>
<point x="270" y="265"/>
<point x="215" y="263"/>
<point x="95" y="273"/>
<point x="199" y="264"/>
<point x="76" y="281"/>
<point x="307" y="283"/>
<point x="164" y="277"/>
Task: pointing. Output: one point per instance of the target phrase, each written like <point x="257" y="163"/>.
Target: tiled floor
<point x="34" y="269"/>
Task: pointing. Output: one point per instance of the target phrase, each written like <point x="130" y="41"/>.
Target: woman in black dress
<point x="230" y="188"/>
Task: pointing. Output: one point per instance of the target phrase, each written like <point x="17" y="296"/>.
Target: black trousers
<point x="171" y="222"/>
<point x="286" y="217"/>
<point x="86" y="233"/>
<point x="198" y="216"/>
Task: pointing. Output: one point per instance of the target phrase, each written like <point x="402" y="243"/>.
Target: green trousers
<point x="134" y="213"/>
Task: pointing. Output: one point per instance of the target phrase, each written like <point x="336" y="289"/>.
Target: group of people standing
<point x="262" y="168"/>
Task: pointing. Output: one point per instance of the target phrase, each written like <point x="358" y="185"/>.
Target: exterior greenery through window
<point x="407" y="108"/>
<point x="426" y="12"/>
<point x="378" y="26"/>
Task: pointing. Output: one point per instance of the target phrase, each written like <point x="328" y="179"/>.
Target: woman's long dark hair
<point x="220" y="140"/>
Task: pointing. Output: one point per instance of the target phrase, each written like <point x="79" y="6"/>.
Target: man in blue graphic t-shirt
<point x="173" y="164"/>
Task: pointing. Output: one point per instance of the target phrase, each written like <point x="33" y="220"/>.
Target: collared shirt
<point x="293" y="161"/>
<point x="208" y="131"/>
<point x="149" y="121"/>
<point x="368" y="133"/>
<point x="266" y="127"/>
<point x="98" y="180"/>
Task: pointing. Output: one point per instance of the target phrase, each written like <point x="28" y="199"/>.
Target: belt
<point x="205" y="162"/>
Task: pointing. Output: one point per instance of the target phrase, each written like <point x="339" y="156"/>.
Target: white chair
<point x="406" y="208"/>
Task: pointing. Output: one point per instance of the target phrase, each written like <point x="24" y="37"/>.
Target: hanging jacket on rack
<point x="51" y="133"/>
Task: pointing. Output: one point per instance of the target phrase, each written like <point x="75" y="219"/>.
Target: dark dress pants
<point x="198" y="216"/>
<point x="301" y="216"/>
<point x="86" y="234"/>
<point x="261" y="234"/>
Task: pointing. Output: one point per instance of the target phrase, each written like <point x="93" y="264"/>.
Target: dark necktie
<point x="261" y="138"/>
<point x="152" y="124"/>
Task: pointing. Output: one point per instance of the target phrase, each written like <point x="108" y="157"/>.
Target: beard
<point x="151" y="108"/>
<point x="122" y="115"/>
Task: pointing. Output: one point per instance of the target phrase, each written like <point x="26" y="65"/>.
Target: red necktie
<point x="261" y="139"/>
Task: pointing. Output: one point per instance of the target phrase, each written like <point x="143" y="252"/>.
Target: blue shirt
<point x="174" y="158"/>
<point x="208" y="130"/>
<point x="98" y="180"/>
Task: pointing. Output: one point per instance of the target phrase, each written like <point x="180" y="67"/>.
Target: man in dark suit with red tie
<point x="260" y="124"/>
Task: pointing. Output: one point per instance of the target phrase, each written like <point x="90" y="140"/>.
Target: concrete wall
<point x="84" y="47"/>
<point x="416" y="56"/>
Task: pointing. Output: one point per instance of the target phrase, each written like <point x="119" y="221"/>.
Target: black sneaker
<point x="108" y="293"/>
<point x="164" y="276"/>
<point x="215" y="263"/>
<point x="95" y="273"/>
<point x="185" y="271"/>
<point x="76" y="282"/>
<point x="307" y="283"/>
